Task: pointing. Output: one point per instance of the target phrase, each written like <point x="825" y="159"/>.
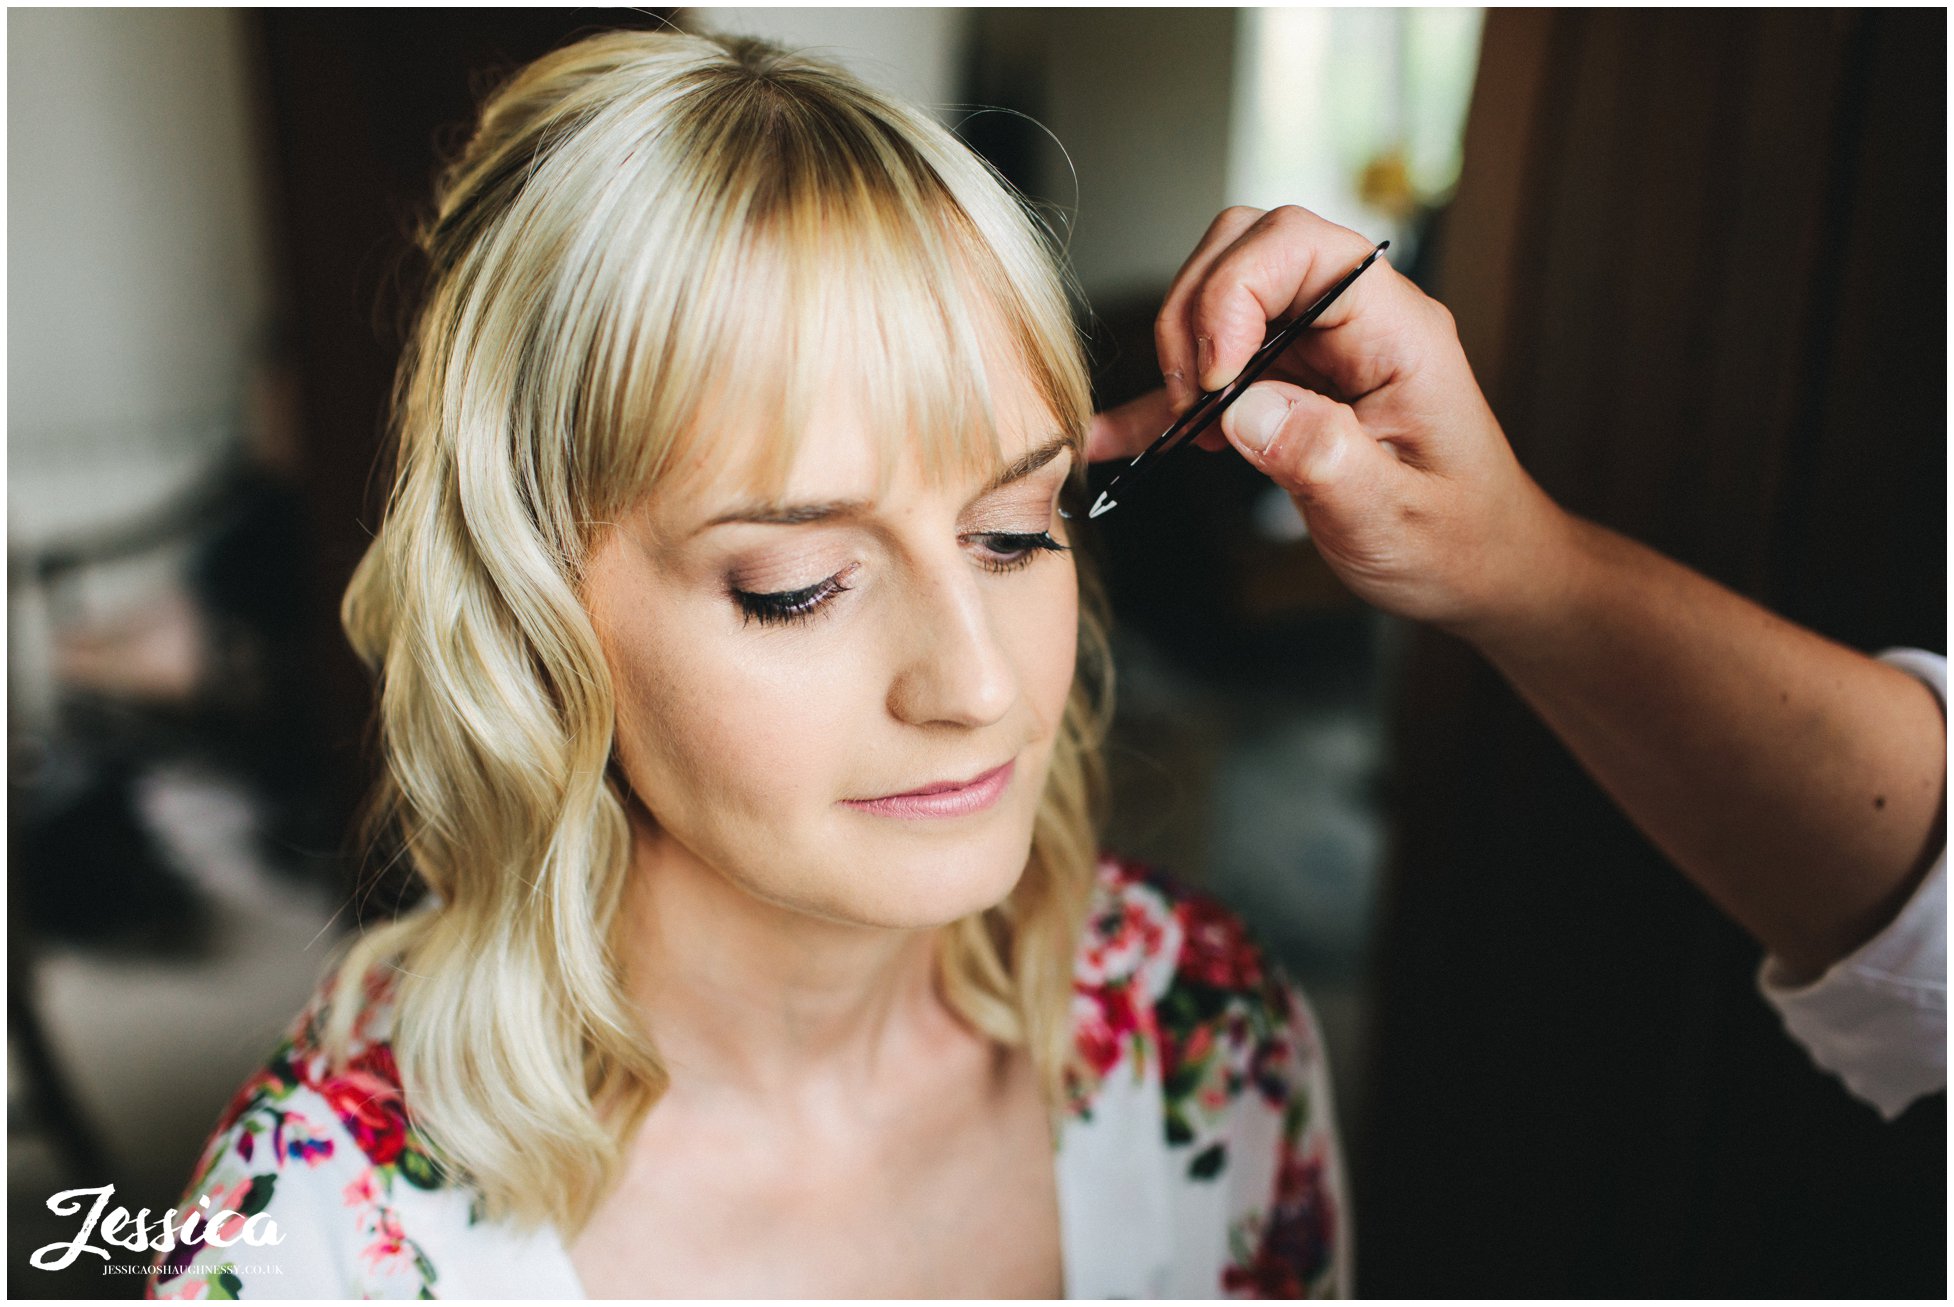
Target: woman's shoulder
<point x="359" y="1091"/>
<point x="1168" y="976"/>
<point x="1148" y="930"/>
<point x="320" y="1153"/>
<point x="1198" y="1054"/>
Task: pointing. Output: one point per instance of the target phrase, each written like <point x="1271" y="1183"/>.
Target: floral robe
<point x="1198" y="1158"/>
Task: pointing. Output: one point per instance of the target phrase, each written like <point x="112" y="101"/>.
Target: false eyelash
<point x="1031" y="545"/>
<point x="787" y="605"/>
<point x="798" y="605"/>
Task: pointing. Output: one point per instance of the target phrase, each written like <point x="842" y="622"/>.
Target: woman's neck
<point x="742" y="996"/>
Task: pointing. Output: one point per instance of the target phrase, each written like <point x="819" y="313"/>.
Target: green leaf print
<point x="1296" y="1113"/>
<point x="225" y="1284"/>
<point x="1206" y="1002"/>
<point x="258" y="1197"/>
<point x="282" y="1069"/>
<point x="1183" y="1080"/>
<point x="418" y="1169"/>
<point x="1178" y="1010"/>
<point x="1209" y="1162"/>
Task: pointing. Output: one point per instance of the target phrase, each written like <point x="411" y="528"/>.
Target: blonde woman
<point x="741" y="697"/>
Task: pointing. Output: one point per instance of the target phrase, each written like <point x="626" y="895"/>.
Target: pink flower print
<point x="360" y="1191"/>
<point x="1105" y="1020"/>
<point x="388" y="1253"/>
<point x="1109" y="956"/>
<point x="1215" y="947"/>
<point x="1296" y="1241"/>
<point x="232" y="1199"/>
<point x="1124" y="937"/>
<point x="1200" y="1043"/>
<point x="1099" y="1043"/>
<point x="297" y="1139"/>
<point x="1187" y="1058"/>
<point x="367" y="1098"/>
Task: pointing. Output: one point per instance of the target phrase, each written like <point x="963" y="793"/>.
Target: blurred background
<point x="1698" y="261"/>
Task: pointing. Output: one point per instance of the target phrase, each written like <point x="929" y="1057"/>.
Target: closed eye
<point x="789" y="605"/>
<point x="1000" y="551"/>
<point x="1010" y="550"/>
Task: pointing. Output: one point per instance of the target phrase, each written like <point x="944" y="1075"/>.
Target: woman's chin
<point x="911" y="888"/>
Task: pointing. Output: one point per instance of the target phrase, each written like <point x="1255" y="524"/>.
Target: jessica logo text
<point x="221" y="1228"/>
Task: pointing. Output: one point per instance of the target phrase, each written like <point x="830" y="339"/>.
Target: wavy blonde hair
<point x="647" y="233"/>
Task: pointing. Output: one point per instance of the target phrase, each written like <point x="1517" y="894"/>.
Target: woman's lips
<point x="956" y="801"/>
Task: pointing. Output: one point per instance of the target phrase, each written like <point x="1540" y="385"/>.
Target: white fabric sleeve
<point x="291" y="1164"/>
<point x="1877" y="1018"/>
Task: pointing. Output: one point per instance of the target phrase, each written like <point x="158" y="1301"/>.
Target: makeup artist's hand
<point x="1372" y="422"/>
<point x="1799" y="783"/>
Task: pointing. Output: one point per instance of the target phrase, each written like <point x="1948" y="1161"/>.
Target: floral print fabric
<point x="1198" y="1158"/>
<point x="1172" y="995"/>
<point x="344" y="1142"/>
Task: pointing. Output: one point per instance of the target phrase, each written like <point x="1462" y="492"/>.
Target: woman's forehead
<point x="845" y="453"/>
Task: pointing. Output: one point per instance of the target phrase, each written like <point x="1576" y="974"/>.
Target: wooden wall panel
<point x="1760" y="297"/>
<point x="360" y="106"/>
<point x="1698" y="259"/>
<point x="1861" y="543"/>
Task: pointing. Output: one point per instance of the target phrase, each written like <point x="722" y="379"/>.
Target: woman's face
<point x="785" y="671"/>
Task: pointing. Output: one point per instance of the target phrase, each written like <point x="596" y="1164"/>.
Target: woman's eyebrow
<point x="801" y="514"/>
<point x="790" y="514"/>
<point x="1026" y="465"/>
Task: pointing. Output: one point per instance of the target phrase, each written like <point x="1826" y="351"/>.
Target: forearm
<point x="1800" y="784"/>
<point x="1797" y="782"/>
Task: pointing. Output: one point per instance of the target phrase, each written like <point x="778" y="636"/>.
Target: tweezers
<point x="1207" y="410"/>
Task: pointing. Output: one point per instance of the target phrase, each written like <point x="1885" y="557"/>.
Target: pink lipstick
<point x="942" y="798"/>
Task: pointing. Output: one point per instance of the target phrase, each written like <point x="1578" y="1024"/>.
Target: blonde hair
<point x="647" y="232"/>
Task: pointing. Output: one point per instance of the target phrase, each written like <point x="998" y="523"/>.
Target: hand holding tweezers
<point x="1207" y="410"/>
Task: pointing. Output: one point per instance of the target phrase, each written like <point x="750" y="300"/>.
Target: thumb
<point x="1311" y="446"/>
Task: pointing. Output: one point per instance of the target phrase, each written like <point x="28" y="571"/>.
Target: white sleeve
<point x="1878" y="1018"/>
<point x="290" y="1165"/>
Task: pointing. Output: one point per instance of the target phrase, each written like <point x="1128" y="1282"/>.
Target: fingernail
<point x="1203" y="355"/>
<point x="1176" y="382"/>
<point x="1255" y="418"/>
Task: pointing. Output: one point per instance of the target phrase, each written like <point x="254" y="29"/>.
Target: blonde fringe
<point x="526" y="1070"/>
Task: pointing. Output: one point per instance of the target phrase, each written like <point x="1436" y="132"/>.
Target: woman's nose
<point x="955" y="670"/>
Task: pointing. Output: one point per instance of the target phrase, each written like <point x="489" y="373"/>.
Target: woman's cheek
<point x="765" y="727"/>
<point x="1049" y="637"/>
<point x="678" y="729"/>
